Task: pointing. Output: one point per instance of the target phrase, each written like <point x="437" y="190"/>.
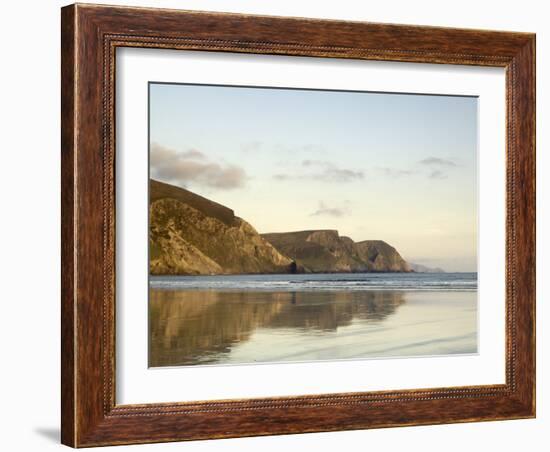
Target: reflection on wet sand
<point x="201" y="327"/>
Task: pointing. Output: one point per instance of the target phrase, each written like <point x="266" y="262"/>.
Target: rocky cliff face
<point x="191" y="235"/>
<point x="326" y="251"/>
<point x="381" y="257"/>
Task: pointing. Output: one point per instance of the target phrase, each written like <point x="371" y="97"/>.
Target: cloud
<point x="338" y="175"/>
<point x="312" y="148"/>
<point x="325" y="210"/>
<point x="436" y="166"/>
<point x="309" y="148"/>
<point x="436" y="161"/>
<point x="282" y="177"/>
<point x="314" y="162"/>
<point x="192" y="166"/>
<point x="437" y="174"/>
<point x="328" y="172"/>
<point x="395" y="173"/>
<point x="322" y="171"/>
<point x="193" y="154"/>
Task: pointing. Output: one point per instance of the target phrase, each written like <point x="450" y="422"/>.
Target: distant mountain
<point x="321" y="251"/>
<point x="419" y="268"/>
<point x="191" y="235"/>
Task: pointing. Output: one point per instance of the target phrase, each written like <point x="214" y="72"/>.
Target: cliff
<point x="320" y="251"/>
<point x="191" y="235"/>
<point x="381" y="257"/>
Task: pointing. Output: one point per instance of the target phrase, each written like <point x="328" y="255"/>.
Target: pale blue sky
<point x="395" y="167"/>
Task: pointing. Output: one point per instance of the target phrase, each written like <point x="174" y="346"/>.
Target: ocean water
<point x="321" y="281"/>
<point x="246" y="319"/>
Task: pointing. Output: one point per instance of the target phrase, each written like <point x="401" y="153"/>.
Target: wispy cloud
<point x="437" y="166"/>
<point x="192" y="166"/>
<point x="315" y="162"/>
<point x="329" y="172"/>
<point x="338" y="175"/>
<point x="309" y="148"/>
<point x="322" y="171"/>
<point x="436" y="161"/>
<point x="394" y="172"/>
<point x="317" y="148"/>
<point x="437" y="174"/>
<point x="282" y="177"/>
<point x="325" y="210"/>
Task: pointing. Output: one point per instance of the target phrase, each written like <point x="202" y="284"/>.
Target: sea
<point x="252" y="319"/>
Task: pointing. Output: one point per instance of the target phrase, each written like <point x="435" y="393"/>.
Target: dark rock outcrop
<point x="325" y="251"/>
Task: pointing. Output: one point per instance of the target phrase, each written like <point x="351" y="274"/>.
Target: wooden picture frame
<point x="90" y="36"/>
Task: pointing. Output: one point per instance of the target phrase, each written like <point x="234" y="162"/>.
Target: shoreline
<point x="306" y="274"/>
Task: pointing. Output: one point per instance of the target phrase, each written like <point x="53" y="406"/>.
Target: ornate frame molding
<point x="90" y="37"/>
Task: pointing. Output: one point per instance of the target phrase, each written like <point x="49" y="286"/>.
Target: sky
<point x="375" y="166"/>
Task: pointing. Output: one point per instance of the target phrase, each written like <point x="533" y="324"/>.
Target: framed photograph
<point x="282" y="225"/>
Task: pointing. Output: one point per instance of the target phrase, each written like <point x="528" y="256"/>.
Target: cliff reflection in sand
<point x="203" y="327"/>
